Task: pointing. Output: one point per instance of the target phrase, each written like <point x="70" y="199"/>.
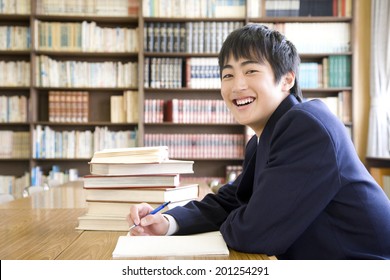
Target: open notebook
<point x="210" y="243"/>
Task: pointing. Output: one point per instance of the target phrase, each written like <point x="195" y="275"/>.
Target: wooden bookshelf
<point x="38" y="92"/>
<point x="379" y="167"/>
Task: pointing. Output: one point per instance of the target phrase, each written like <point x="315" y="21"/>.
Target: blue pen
<point x="154" y="211"/>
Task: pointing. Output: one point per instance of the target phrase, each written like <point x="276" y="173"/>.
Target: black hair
<point x="259" y="43"/>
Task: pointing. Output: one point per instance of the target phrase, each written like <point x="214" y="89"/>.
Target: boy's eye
<point x="225" y="76"/>
<point x="251" y="71"/>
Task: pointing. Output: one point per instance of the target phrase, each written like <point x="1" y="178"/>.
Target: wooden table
<point x="42" y="227"/>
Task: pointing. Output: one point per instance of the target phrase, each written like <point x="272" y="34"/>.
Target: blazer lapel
<point x="259" y="152"/>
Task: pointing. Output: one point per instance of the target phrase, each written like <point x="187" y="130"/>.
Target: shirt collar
<point x="283" y="108"/>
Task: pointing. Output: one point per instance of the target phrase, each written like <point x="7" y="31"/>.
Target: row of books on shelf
<point x="339" y="71"/>
<point x="15" y="73"/>
<point x="319" y="37"/>
<point x="123" y="177"/>
<point x="340" y="105"/>
<point x="333" y="71"/>
<point x="14" y="185"/>
<point x="202" y="72"/>
<point x="186" y="111"/>
<point x="87" y="7"/>
<point x="163" y="72"/>
<point x="13" y="108"/>
<point x="17" y="186"/>
<point x="208" y="146"/>
<point x="73" y="106"/>
<point x="288" y="8"/>
<point x="189" y="37"/>
<point x="194" y="8"/>
<point x="15" y="144"/>
<point x="182" y="8"/>
<point x="55" y="177"/>
<point x="20" y="7"/>
<point x="84" y="36"/>
<point x="14" y="38"/>
<point x="197" y="73"/>
<point x="56" y="73"/>
<point x="154" y="110"/>
<point x="49" y="143"/>
<point x="68" y="106"/>
<point x="279" y="8"/>
<point x="124" y="108"/>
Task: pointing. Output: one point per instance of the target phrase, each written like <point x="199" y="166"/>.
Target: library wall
<point x="82" y="84"/>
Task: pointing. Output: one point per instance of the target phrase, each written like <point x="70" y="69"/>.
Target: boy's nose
<point x="239" y="83"/>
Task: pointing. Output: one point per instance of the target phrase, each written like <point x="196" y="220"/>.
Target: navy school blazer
<point x="303" y="193"/>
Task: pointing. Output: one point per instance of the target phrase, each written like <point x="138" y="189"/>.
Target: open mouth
<point x="243" y="101"/>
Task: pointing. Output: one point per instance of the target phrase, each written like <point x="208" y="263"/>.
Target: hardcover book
<point x="121" y="209"/>
<point x="150" y="195"/>
<point x="131" y="155"/>
<point x="164" y="167"/>
<point x="133" y="181"/>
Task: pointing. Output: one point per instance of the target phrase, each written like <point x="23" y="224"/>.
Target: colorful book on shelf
<point x="131" y="155"/>
<point x="164" y="167"/>
<point x="150" y="195"/>
<point x="132" y="181"/>
<point x="121" y="209"/>
<point x="209" y="243"/>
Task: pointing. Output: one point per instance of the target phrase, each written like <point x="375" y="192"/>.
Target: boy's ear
<point x="288" y="81"/>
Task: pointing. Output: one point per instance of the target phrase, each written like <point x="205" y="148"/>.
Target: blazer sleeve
<point x="209" y="213"/>
<point x="299" y="180"/>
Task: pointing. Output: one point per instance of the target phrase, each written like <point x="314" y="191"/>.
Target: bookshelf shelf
<point x="193" y="124"/>
<point x="194" y="19"/>
<point x="84" y="125"/>
<point x="301" y="19"/>
<point x="15" y="18"/>
<point x="179" y="54"/>
<point x="326" y="90"/>
<point x="94" y="89"/>
<point x="211" y="159"/>
<point x="15" y="124"/>
<point x="99" y="108"/>
<point x="321" y="55"/>
<point x="89" y="54"/>
<point x="379" y="169"/>
<point x="62" y="159"/>
<point x="181" y="90"/>
<point x="22" y="53"/>
<point x="378" y="162"/>
<point x="78" y="17"/>
<point x="14" y="159"/>
<point x="15" y="88"/>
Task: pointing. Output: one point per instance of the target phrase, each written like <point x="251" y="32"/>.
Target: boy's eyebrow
<point x="249" y="62"/>
<point x="242" y="64"/>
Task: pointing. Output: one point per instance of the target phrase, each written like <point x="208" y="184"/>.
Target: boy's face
<point x="250" y="92"/>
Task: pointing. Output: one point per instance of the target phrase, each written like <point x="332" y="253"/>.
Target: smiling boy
<point x="303" y="192"/>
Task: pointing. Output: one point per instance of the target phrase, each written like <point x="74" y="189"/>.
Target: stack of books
<point x="122" y="177"/>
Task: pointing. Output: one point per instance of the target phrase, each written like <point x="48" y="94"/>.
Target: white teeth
<point x="244" y="101"/>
